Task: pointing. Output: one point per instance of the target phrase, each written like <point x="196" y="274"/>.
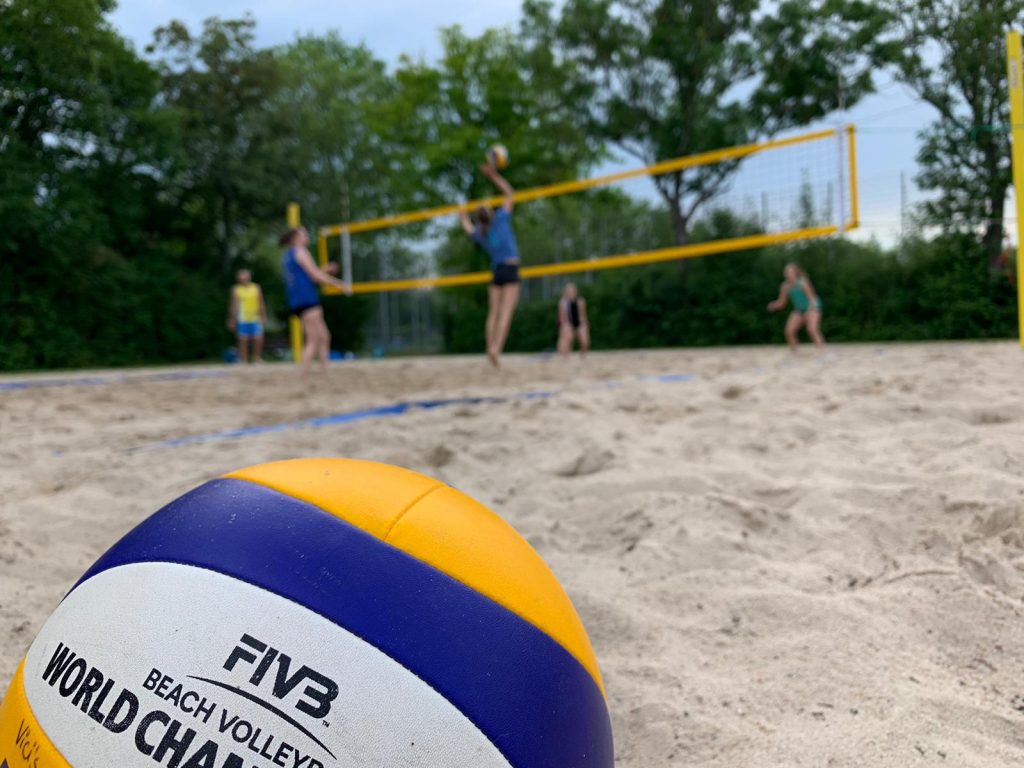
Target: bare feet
<point x="492" y="357"/>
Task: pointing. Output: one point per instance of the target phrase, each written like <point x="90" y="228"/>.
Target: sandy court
<point x="782" y="561"/>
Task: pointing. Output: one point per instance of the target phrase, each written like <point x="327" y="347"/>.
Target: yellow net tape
<point x="617" y="261"/>
<point x="568" y="187"/>
<point x="594" y="265"/>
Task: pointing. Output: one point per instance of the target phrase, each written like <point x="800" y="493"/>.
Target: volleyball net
<point x="752" y="196"/>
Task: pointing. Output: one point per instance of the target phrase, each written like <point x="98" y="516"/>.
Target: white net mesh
<point x="784" y="191"/>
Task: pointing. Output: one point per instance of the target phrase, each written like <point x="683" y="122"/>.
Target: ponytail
<point x="288" y="237"/>
<point x="484" y="216"/>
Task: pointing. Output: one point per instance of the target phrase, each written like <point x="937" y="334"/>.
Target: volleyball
<point x="497" y="156"/>
<point x="313" y="613"/>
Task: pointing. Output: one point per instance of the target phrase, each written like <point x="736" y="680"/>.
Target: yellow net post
<point x="1015" y="78"/>
<point x="294" y="324"/>
<point x="321" y="250"/>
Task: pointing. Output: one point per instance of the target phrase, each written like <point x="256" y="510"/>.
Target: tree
<point x="83" y="151"/>
<point x="954" y="58"/>
<point x="336" y="95"/>
<point x="668" y="78"/>
<point x="233" y="141"/>
<point x="495" y="87"/>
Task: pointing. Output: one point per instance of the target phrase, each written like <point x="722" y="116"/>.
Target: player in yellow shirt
<point x="247" y="316"/>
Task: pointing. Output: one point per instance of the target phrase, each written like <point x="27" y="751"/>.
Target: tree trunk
<point x="680" y="231"/>
<point x="680" y="224"/>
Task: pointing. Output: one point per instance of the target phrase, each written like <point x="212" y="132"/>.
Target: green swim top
<point x="800" y="299"/>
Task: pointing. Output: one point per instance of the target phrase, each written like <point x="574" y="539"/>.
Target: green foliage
<point x="496" y="87"/>
<point x="952" y="53"/>
<point x="131" y="188"/>
<point x="231" y="141"/>
<point x="338" y="99"/>
<point x="665" y="78"/>
<point x="89" y="272"/>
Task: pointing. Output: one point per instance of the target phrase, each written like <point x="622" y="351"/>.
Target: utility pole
<point x="841" y="186"/>
<point x="346" y="237"/>
<point x="903" y="206"/>
<point x="383" y="310"/>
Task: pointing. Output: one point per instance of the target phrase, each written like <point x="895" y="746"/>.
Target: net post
<point x="346" y="256"/>
<point x="851" y="151"/>
<point x="294" y="324"/>
<point x="1015" y="80"/>
<point x="841" y="186"/>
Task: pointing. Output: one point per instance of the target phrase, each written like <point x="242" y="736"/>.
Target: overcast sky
<point x="888" y="122"/>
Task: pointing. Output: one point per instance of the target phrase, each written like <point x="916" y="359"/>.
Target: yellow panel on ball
<point x="442" y="527"/>
<point x="497" y="155"/>
<point x="20" y="731"/>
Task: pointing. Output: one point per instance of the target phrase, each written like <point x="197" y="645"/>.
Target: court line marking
<point x="407" y="406"/>
<point x="345" y="417"/>
<point x="95" y="381"/>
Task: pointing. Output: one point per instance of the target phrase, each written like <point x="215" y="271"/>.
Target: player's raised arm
<point x="466" y="222"/>
<point x="501" y="183"/>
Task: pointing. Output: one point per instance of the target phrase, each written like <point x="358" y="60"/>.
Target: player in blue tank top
<point x="492" y="231"/>
<point x="302" y="278"/>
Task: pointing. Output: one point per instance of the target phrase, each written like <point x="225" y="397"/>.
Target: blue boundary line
<point x="346" y="417"/>
<point x="95" y="381"/>
<point x="406" y="406"/>
<point x="383" y="412"/>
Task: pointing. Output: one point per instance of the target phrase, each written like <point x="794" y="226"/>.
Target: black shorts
<point x="302" y="309"/>
<point x="506" y="274"/>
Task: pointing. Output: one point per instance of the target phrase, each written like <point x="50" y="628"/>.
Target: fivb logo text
<point x="272" y="672"/>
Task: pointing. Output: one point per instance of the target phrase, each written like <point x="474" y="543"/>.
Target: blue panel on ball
<point x="525" y="692"/>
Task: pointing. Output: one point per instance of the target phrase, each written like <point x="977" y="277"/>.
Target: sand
<point x="782" y="561"/>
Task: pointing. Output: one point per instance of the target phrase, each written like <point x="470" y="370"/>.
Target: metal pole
<point x="1016" y="83"/>
<point x="903" y="205"/>
<point x="395" y="321"/>
<point x="851" y="161"/>
<point x="383" y="310"/>
<point x="416" y="320"/>
<point x="294" y="324"/>
<point x="841" y="186"/>
<point x="346" y="236"/>
<point x="346" y="257"/>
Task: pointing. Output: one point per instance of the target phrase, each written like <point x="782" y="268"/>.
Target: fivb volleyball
<point x="308" y="614"/>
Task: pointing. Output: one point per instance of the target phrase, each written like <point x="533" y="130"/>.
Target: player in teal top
<point x="797" y="289"/>
<point x="493" y="232"/>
